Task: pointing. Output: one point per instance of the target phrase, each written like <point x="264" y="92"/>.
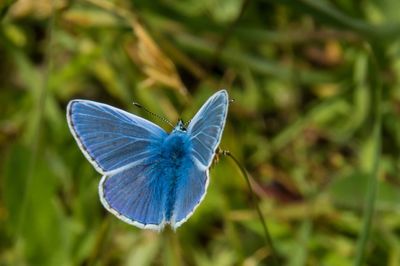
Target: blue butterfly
<point x="150" y="178"/>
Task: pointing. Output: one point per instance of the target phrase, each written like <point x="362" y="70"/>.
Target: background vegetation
<point x="315" y="122"/>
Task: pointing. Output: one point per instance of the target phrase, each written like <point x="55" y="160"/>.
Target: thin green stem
<point x="257" y="206"/>
<point x="373" y="176"/>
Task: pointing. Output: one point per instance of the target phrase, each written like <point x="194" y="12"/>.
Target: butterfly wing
<point x="136" y="196"/>
<point x="206" y="128"/>
<point x="110" y="138"/>
<point x="191" y="190"/>
<point x="122" y="147"/>
<point x="205" y="131"/>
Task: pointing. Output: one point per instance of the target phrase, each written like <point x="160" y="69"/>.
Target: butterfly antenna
<point x="154" y="114"/>
<point x="187" y="123"/>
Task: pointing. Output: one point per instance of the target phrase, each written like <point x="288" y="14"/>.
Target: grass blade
<point x="372" y="186"/>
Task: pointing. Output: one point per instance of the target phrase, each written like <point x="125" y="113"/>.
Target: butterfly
<point x="150" y="178"/>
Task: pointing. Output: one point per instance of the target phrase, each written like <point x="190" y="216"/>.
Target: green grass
<point x="315" y="124"/>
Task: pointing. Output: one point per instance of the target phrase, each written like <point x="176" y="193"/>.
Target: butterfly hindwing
<point x="155" y="193"/>
<point x="191" y="190"/>
<point x="136" y="195"/>
<point x="112" y="139"/>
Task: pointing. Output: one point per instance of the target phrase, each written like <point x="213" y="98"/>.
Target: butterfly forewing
<point x="206" y="128"/>
<point x="110" y="138"/>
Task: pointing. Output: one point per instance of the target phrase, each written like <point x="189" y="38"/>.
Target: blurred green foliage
<point x="306" y="76"/>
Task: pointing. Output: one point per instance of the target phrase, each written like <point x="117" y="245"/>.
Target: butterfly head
<point x="180" y="126"/>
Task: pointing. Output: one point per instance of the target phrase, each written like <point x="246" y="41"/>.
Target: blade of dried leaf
<point x="155" y="64"/>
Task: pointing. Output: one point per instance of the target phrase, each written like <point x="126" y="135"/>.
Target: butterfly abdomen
<point x="175" y="153"/>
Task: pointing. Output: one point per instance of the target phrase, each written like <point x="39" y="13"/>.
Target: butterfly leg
<point x="218" y="153"/>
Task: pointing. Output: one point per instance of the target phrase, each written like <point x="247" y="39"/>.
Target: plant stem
<point x="257" y="206"/>
<point x="373" y="176"/>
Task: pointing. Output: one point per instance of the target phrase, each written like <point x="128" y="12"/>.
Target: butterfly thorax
<point x="176" y="147"/>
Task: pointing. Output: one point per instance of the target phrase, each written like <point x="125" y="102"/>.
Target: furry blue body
<point x="174" y="164"/>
